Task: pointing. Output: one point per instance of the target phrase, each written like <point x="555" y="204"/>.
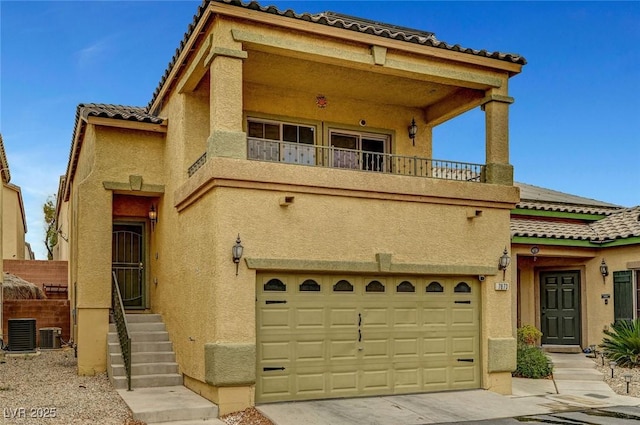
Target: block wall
<point x="48" y="313"/>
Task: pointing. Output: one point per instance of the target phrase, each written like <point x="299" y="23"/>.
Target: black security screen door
<point x="560" y="307"/>
<point x="128" y="263"/>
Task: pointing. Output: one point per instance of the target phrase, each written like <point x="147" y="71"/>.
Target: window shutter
<point x="623" y="295"/>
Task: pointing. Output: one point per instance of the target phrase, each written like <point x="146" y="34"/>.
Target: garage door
<point x="343" y="336"/>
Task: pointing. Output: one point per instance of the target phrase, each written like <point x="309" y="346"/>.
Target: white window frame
<point x="356" y="160"/>
<point x="285" y="151"/>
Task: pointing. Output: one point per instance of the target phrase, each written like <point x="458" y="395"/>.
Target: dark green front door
<point x="560" y="307"/>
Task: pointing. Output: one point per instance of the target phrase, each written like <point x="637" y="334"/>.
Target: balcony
<point x="358" y="160"/>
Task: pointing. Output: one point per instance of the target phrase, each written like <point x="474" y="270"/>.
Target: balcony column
<point x="225" y="104"/>
<point x="496" y="109"/>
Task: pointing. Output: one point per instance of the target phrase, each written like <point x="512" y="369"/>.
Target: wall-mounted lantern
<point x="236" y="251"/>
<point x="413" y="130"/>
<point x="153" y="216"/>
<point x="503" y="262"/>
<point x="604" y="271"/>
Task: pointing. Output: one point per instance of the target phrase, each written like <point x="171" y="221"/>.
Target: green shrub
<point x="528" y="335"/>
<point x="622" y="343"/>
<point x="532" y="363"/>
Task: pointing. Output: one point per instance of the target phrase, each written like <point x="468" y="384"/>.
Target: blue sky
<point x="575" y="125"/>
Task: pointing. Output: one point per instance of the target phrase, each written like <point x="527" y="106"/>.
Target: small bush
<point x="622" y="343"/>
<point x="528" y="335"/>
<point x="532" y="363"/>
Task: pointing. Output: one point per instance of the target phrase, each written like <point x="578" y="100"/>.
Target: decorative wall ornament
<point x="321" y="101"/>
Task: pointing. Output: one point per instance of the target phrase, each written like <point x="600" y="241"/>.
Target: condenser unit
<point x="50" y="338"/>
<point x="22" y="335"/>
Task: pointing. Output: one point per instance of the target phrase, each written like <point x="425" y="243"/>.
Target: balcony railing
<point x="349" y="159"/>
<point x="332" y="157"/>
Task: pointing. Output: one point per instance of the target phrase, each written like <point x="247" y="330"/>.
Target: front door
<point x="560" y="307"/>
<point x="128" y="263"/>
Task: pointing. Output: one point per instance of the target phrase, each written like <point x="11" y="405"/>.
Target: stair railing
<point x="121" y="326"/>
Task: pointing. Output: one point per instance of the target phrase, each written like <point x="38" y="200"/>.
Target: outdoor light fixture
<point x="602" y="356"/>
<point x="627" y="379"/>
<point x="604" y="271"/>
<point x="153" y="216"/>
<point x="236" y="251"/>
<point x="413" y="130"/>
<point x="612" y="365"/>
<point x="503" y="262"/>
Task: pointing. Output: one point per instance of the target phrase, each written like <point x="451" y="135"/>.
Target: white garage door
<point x="343" y="336"/>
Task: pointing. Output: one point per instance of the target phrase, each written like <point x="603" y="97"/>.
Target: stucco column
<point x="498" y="169"/>
<point x="225" y="104"/>
<point x="93" y="276"/>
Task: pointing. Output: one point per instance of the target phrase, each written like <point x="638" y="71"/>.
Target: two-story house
<point x="366" y="267"/>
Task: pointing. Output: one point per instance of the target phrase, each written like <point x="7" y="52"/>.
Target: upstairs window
<point x="359" y="151"/>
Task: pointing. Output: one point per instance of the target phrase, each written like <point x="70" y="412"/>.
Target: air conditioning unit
<point x="22" y="335"/>
<point x="50" y="338"/>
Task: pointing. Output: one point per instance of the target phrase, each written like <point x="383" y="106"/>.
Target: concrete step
<point x="148" y="381"/>
<point x="176" y="404"/>
<point x="145" y="369"/>
<point x="577" y="374"/>
<point x="148" y="357"/>
<point x="550" y="348"/>
<point x="140" y="347"/>
<point x="141" y="327"/>
<point x="144" y="318"/>
<point x="149" y="336"/>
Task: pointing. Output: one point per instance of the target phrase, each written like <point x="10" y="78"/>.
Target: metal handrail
<point x="122" y="327"/>
<point x="350" y="159"/>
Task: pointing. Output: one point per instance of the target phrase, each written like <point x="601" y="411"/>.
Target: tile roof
<point x="621" y="224"/>
<point x="539" y="198"/>
<point x="341" y="21"/>
<point x="121" y="112"/>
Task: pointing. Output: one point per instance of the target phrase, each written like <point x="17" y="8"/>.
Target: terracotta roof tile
<point x="121" y="112"/>
<point x="540" y="198"/>
<point x="551" y="229"/>
<point x="624" y="223"/>
<point x="4" y="164"/>
<point x="337" y="20"/>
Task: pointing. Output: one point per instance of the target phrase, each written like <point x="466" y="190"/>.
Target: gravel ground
<point x="618" y="383"/>
<point x="248" y="416"/>
<point x="45" y="389"/>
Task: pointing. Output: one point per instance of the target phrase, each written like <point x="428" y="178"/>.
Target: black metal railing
<point x="196" y="165"/>
<point x="350" y="159"/>
<point x="121" y="326"/>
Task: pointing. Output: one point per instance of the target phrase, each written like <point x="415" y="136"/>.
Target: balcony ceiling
<point x="330" y="80"/>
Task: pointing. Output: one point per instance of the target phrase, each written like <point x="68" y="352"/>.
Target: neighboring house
<point x="61" y="248"/>
<point x="14" y="223"/>
<point x="578" y="265"/>
<point x="367" y="269"/>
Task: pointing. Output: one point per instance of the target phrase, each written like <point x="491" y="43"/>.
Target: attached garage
<point x="343" y="336"/>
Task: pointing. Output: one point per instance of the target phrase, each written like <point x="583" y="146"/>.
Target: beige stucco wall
<point x="13" y="235"/>
<point x="595" y="314"/>
<point x="61" y="250"/>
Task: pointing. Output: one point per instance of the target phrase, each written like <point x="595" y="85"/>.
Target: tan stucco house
<point x="14" y="223"/>
<point x="578" y="265"/>
<point x="367" y="267"/>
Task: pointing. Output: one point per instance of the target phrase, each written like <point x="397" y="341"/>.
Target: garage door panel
<point x="343" y="317"/>
<point x="275" y="318"/>
<point x="310" y="317"/>
<point x="376" y="348"/>
<point x="310" y="350"/>
<point x="358" y="342"/>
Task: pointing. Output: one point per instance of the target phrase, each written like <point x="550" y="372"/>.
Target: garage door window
<point x="275" y="285"/>
<point x="309" y="285"/>
<point x="374" y="286"/>
<point x="343" y="286"/>
<point x="405" y="286"/>
<point x="435" y="287"/>
<point x="462" y="287"/>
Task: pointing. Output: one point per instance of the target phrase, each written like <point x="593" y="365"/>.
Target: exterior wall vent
<point x="22" y="335"/>
<point x="50" y="338"/>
